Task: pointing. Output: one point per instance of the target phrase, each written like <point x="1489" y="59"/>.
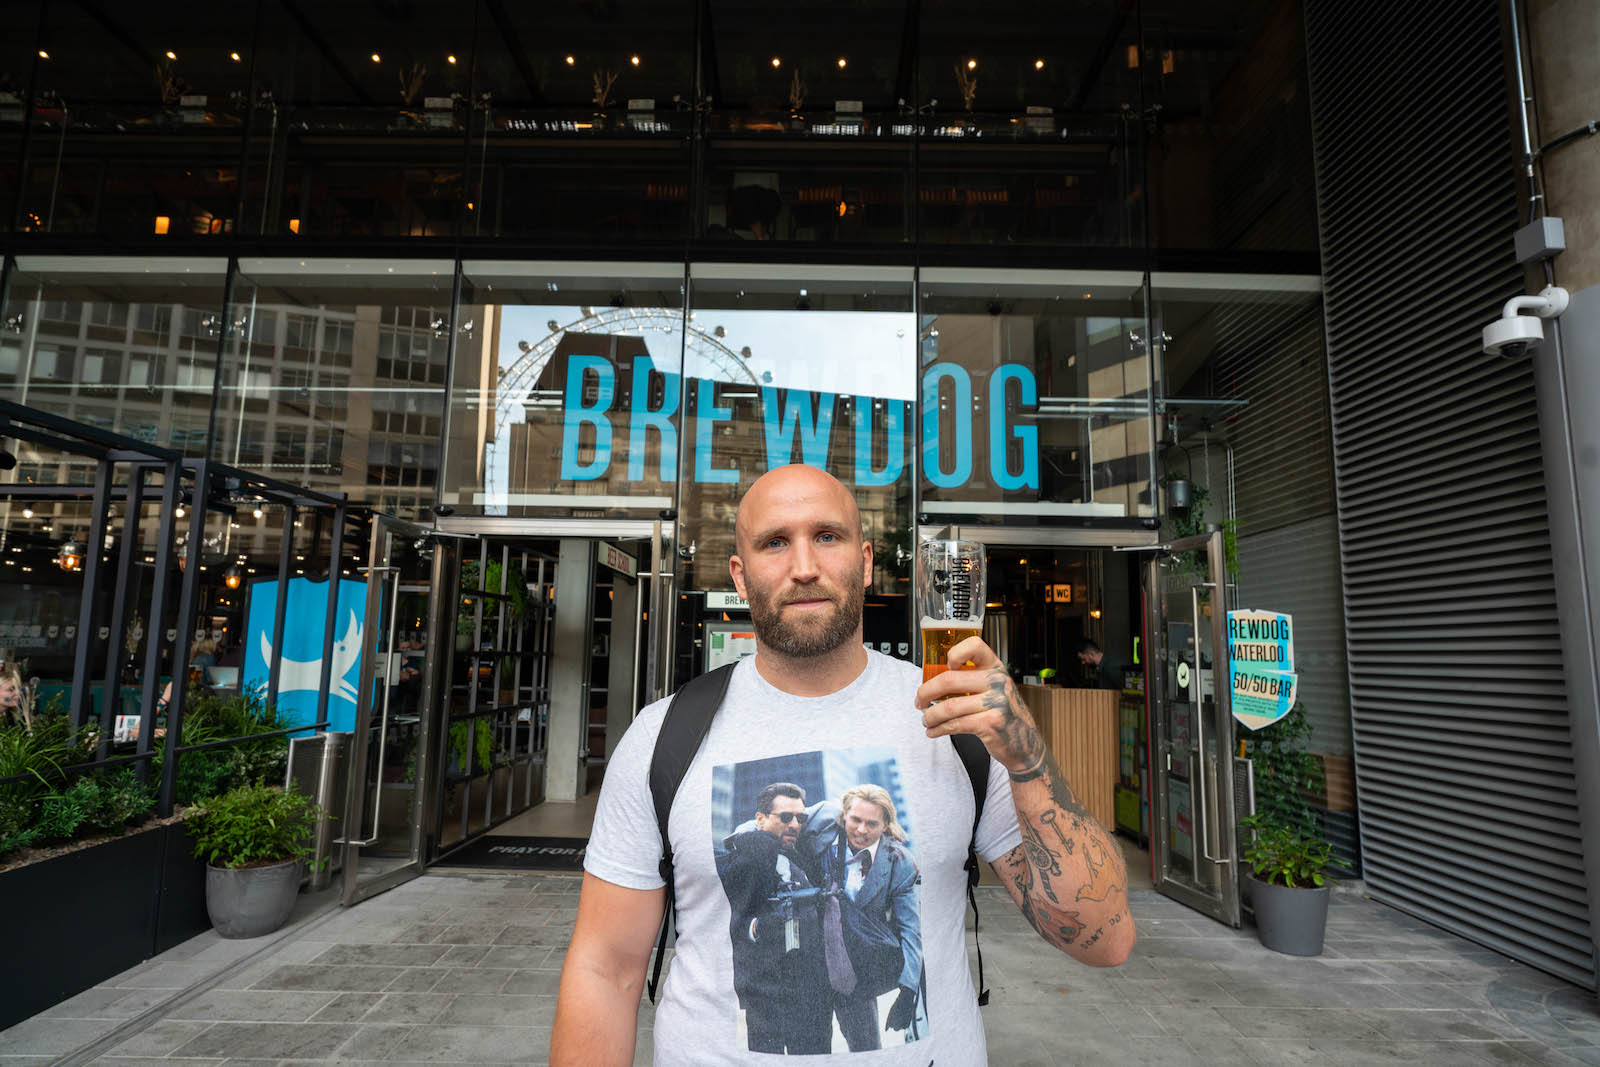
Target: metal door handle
<point x="1207" y="765"/>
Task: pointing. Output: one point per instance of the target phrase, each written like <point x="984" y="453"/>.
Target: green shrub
<point x="1286" y="774"/>
<point x="1283" y="855"/>
<point x="218" y="717"/>
<point x="253" y="826"/>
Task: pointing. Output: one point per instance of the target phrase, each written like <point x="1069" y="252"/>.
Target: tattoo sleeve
<point x="1067" y="876"/>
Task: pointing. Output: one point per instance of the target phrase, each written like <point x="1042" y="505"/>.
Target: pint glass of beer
<point x="949" y="586"/>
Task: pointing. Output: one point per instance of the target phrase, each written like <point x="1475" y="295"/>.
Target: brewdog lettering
<point x="1261" y="666"/>
<point x="799" y="425"/>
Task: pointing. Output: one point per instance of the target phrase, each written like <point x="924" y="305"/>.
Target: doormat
<point x="522" y="853"/>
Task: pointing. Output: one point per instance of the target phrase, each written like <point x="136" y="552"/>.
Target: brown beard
<point x="804" y="642"/>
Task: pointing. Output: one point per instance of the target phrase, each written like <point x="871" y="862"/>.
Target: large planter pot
<point x="1291" y="921"/>
<point x="251" y="901"/>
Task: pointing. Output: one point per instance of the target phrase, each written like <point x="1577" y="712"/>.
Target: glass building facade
<point x="569" y="263"/>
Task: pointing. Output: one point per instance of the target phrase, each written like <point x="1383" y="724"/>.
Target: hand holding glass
<point x="949" y="588"/>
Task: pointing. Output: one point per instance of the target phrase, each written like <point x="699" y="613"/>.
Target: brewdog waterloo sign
<point x="1261" y="666"/>
<point x="595" y="426"/>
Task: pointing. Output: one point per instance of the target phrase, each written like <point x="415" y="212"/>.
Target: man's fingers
<point x="973" y="650"/>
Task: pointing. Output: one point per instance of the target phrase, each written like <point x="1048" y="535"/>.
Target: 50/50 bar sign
<point x="595" y="418"/>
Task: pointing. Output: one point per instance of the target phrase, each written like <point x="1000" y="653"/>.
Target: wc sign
<point x="1261" y="666"/>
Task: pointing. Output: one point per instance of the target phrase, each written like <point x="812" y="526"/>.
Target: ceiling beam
<point x="513" y="42"/>
<point x="329" y="56"/>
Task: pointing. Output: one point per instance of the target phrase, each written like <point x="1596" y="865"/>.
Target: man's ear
<point x="866" y="564"/>
<point x="736" y="571"/>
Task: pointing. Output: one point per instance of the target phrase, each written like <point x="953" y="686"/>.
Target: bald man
<point x="815" y="708"/>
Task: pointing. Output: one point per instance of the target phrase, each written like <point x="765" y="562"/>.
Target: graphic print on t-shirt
<point x="816" y="853"/>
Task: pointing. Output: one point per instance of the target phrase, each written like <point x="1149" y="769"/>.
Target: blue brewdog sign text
<point x="1261" y="666"/>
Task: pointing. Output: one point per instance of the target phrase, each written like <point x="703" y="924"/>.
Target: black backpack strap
<point x="975" y="758"/>
<point x="683" y="731"/>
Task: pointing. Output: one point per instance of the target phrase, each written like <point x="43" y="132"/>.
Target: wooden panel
<point x="1080" y="730"/>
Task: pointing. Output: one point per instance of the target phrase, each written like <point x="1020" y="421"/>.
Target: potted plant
<point x="1289" y="886"/>
<point x="256" y="840"/>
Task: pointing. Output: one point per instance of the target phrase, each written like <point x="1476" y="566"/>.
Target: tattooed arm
<point x="1067" y="876"/>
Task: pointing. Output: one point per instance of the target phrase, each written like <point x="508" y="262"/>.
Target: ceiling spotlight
<point x="634" y="60"/>
<point x="376" y="58"/>
<point x="258" y="513"/>
<point x="972" y="64"/>
<point x="172" y="55"/>
<point x="43" y="54"/>
<point x="1038" y="64"/>
<point x="571" y="60"/>
<point x="178" y="513"/>
<point x="842" y="63"/>
<point x="450" y="60"/>
<point x="234" y="56"/>
<point x="776" y="62"/>
<point x="27" y="513"/>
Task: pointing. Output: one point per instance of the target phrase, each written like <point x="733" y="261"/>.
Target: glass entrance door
<point x="382" y="833"/>
<point x="1193" y="838"/>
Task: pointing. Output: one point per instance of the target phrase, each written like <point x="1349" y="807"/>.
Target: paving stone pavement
<point x="463" y="966"/>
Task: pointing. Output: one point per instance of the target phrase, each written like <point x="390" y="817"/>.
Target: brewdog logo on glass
<point x="956" y="431"/>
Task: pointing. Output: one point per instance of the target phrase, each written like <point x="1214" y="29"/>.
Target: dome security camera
<point x="1514" y="334"/>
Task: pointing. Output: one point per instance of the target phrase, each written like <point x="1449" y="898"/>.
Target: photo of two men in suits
<point x="824" y="921"/>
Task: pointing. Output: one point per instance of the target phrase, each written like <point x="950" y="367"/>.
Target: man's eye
<point x="775" y="542"/>
<point x="827" y="537"/>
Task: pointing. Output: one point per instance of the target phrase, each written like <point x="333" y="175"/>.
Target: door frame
<point x="355" y="889"/>
<point x="1216" y="836"/>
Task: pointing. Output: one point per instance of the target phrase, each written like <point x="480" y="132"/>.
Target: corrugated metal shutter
<point x="1463" y="759"/>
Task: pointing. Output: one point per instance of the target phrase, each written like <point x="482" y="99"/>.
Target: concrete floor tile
<point x="532" y="983"/>
<point x="1589" y="1055"/>
<point x="1434" y="1025"/>
<point x="1522" y="1054"/>
<point x="1309" y="1024"/>
<point x="1127" y="1019"/>
<point x="420" y="933"/>
<point x="93" y="1003"/>
<point x="334" y="979"/>
<point x="313" y="1041"/>
<point x="40" y="1036"/>
<point x="1195" y="1024"/>
<point x="153" y="1061"/>
<point x="252" y="1005"/>
<point x="463" y="956"/>
<point x="557" y="935"/>
<point x="519" y="956"/>
<point x="1442" y="995"/>
<point x="470" y="934"/>
<point x="500" y="1010"/>
<point x="417" y="980"/>
<point x="162" y="1037"/>
<point x="476" y="980"/>
<point x="1281" y="1052"/>
<point x="1107" y="1048"/>
<point x="373" y="1043"/>
<point x="347" y="1008"/>
<point x="474" y="1044"/>
<point x="169" y="975"/>
<point x="1372" y="1053"/>
<point x="383" y="955"/>
<point x="417" y="1008"/>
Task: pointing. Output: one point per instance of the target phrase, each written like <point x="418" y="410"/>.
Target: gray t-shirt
<point x="760" y="962"/>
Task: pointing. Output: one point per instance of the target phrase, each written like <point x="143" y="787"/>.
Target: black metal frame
<point x="208" y="485"/>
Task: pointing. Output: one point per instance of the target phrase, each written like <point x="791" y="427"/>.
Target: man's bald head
<point x="782" y="490"/>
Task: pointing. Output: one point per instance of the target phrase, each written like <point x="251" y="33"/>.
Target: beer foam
<point x="952" y="624"/>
